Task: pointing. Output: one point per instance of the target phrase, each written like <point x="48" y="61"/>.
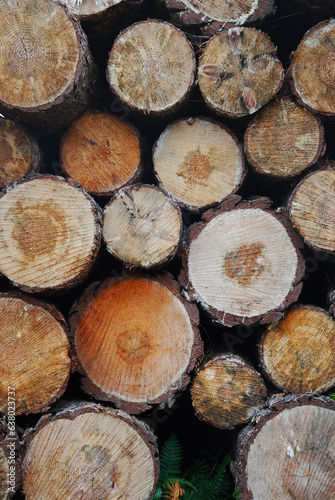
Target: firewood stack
<point x="167" y="233"/>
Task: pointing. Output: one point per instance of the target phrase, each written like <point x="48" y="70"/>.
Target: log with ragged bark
<point x="287" y="451"/>
<point x="47" y="74"/>
<point x="10" y="458"/>
<point x="101" y="152"/>
<point x="142" y="226"/>
<point x="90" y="452"/>
<point x="136" y="341"/>
<point x="239" y="72"/>
<point x="242" y="262"/>
<point x="199" y="162"/>
<point x="49" y="233"/>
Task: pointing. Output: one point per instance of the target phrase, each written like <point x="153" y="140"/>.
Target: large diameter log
<point x="239" y="72"/>
<point x="136" y="341"/>
<point x="283" y="139"/>
<point x="298" y="352"/>
<point x="213" y="15"/>
<point x="49" y="233"/>
<point x="34" y="354"/>
<point x="288" y="451"/>
<point x="47" y="75"/>
<point x="20" y="154"/>
<point x="142" y="226"/>
<point x="311" y="208"/>
<point x="10" y="460"/>
<point x="151" y="67"/>
<point x="227" y="391"/>
<point x="312" y="69"/>
<point x="199" y="162"/>
<point x="90" y="452"/>
<point x="243" y="263"/>
<point x="101" y="152"/>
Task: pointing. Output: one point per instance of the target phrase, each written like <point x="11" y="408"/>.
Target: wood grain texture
<point x="10" y="460"/>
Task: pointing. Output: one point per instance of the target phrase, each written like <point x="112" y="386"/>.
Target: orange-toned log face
<point x="135" y="340"/>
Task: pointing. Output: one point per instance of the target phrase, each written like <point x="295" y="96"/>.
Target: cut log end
<point x="88" y="8"/>
<point x="10" y="460"/>
<point x="142" y="226"/>
<point x="199" y="162"/>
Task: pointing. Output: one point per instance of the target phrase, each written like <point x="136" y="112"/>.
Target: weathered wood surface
<point x="10" y="459"/>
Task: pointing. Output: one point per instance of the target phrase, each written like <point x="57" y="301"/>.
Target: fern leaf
<point x="197" y="469"/>
<point x="171" y="456"/>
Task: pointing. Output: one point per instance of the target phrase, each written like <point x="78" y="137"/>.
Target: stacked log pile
<point x="167" y="234"/>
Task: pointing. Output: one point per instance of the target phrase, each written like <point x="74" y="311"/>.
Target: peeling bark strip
<point x="151" y="67"/>
<point x="298" y="352"/>
<point x="136" y="340"/>
<point x="248" y="73"/>
<point x="227" y="391"/>
<point x="142" y="226"/>
<point x="243" y="263"/>
<point x="49" y="233"/>
<point x="312" y="211"/>
<point x="288" y="451"/>
<point x="199" y="162"/>
<point x="20" y="154"/>
<point x="101" y="152"/>
<point x="47" y="75"/>
<point x="213" y="15"/>
<point x="312" y="70"/>
<point x="10" y="460"/>
<point x="90" y="452"/>
<point x="34" y="356"/>
<point x="283" y="139"/>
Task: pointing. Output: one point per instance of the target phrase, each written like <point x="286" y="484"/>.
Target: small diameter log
<point x="213" y="15"/>
<point x="242" y="263"/>
<point x="283" y="139"/>
<point x="298" y="352"/>
<point x="20" y="154"/>
<point x="10" y="459"/>
<point x="34" y="357"/>
<point x="311" y="208"/>
<point x="136" y="340"/>
<point x="49" y="233"/>
<point x="90" y="452"/>
<point x="101" y="152"/>
<point x="227" y="391"/>
<point x="199" y="162"/>
<point x="151" y="67"/>
<point x="142" y="226"/>
<point x="239" y="72"/>
<point x="288" y="451"/>
<point x="47" y="75"/>
<point x="312" y="70"/>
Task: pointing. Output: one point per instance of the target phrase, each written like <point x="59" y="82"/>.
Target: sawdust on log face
<point x="89" y="7"/>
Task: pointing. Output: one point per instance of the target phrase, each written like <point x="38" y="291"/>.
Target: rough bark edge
<point x="75" y="409"/>
<point x="174" y="251"/>
<point x="184" y="18"/>
<point x="73" y="101"/>
<point x="247" y="436"/>
<point x="190" y="120"/>
<point x="139" y="170"/>
<point x="260" y="348"/>
<point x="171" y="108"/>
<point x="96" y="212"/>
<point x="6" y="437"/>
<point x="320" y="151"/>
<point x="230" y="357"/>
<point x="167" y="398"/>
<point x="235" y="202"/>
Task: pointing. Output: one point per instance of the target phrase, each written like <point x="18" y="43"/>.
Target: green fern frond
<point x="171" y="456"/>
<point x="198" y="468"/>
<point x="332" y="395"/>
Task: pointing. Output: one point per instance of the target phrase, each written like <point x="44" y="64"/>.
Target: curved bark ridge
<point x="40" y="52"/>
<point x="237" y="12"/>
<point x="249" y="274"/>
<point x="143" y="339"/>
<point x="92" y="456"/>
<point x="47" y="233"/>
<point x="151" y="66"/>
<point x="293" y="455"/>
<point x="4" y="470"/>
<point x="141" y="226"/>
<point x="312" y="209"/>
<point x="239" y="72"/>
<point x="299" y="351"/>
<point x="89" y="7"/>
<point x="198" y="162"/>
<point x="34" y="355"/>
<point x="313" y="68"/>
